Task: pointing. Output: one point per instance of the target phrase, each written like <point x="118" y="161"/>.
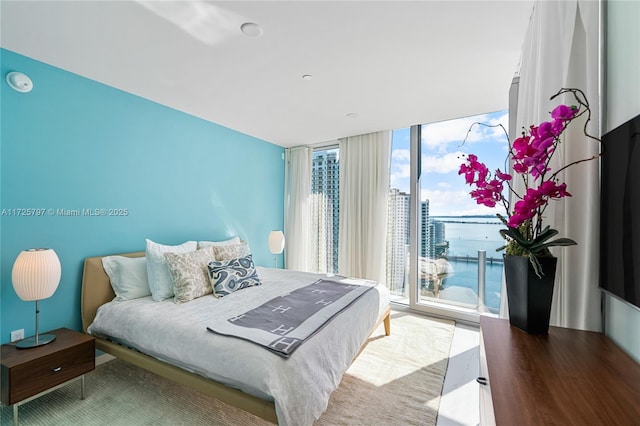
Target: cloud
<point x="443" y="164"/>
<point x="435" y="135"/>
<point x="454" y="203"/>
<point x="438" y="135"/>
<point x="441" y="159"/>
<point x="485" y="133"/>
<point x="498" y="133"/>
<point x="399" y="176"/>
<point x="401" y="155"/>
<point x="402" y="171"/>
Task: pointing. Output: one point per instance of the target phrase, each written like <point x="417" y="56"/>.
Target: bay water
<point x="467" y="235"/>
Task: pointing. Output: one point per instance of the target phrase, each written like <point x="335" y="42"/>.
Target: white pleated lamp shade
<point x="36" y="274"/>
<point x="276" y="242"/>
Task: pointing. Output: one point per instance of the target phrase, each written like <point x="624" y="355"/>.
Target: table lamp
<point x="35" y="276"/>
<point x="276" y="244"/>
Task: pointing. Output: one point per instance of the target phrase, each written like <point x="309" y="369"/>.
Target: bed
<point x="265" y="382"/>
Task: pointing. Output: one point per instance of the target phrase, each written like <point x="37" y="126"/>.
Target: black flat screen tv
<point x="620" y="212"/>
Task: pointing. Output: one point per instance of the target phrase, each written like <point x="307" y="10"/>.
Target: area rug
<point x="396" y="380"/>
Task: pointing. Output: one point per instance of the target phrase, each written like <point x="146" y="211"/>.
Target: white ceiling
<point x="392" y="63"/>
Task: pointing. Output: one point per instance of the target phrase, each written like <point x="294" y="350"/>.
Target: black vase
<point x="529" y="296"/>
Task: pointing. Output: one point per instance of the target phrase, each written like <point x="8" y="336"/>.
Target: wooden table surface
<point x="568" y="377"/>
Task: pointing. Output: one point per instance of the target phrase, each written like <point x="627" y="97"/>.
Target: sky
<point x="442" y="153"/>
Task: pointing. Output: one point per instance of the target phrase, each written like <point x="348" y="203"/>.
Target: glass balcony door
<point x="457" y="272"/>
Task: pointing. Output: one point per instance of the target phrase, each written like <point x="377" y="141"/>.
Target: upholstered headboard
<point x="96" y="288"/>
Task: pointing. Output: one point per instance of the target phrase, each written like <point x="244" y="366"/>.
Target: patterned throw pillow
<point x="157" y="269"/>
<point x="232" y="251"/>
<point x="189" y="273"/>
<point x="228" y="276"/>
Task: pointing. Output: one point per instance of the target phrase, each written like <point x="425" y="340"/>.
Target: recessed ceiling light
<point x="251" y="29"/>
<point x="307" y="77"/>
<point x="352" y="115"/>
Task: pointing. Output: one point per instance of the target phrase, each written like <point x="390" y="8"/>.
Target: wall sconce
<point x="19" y="82"/>
<point x="276" y="244"/>
<point x="36" y="275"/>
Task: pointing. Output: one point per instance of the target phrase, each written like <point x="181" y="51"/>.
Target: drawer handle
<point x="482" y="380"/>
<point x="55" y="370"/>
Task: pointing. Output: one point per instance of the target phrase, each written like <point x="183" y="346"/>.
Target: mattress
<point x="300" y="386"/>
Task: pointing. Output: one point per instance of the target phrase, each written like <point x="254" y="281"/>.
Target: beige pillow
<point x="189" y="273"/>
<point x="231" y="251"/>
<point x="203" y="244"/>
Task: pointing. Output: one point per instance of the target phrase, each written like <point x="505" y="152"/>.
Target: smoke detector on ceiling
<point x="19" y="82"/>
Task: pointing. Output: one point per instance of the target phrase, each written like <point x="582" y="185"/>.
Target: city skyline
<point x="432" y="241"/>
<point x="443" y="191"/>
<point x="442" y="154"/>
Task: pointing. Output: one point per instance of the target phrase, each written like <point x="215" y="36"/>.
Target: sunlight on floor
<point x="460" y="402"/>
<point x="420" y="345"/>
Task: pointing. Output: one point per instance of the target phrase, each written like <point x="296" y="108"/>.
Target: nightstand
<point x="28" y="373"/>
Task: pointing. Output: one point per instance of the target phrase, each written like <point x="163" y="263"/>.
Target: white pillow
<point x="128" y="276"/>
<point x="203" y="244"/>
<point x="160" y="281"/>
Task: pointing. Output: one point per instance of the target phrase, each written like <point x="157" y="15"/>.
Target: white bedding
<point x="300" y="386"/>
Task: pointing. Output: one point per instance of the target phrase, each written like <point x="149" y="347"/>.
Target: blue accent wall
<point x="75" y="144"/>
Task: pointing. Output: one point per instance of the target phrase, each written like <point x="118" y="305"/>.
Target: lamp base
<point x="30" y="342"/>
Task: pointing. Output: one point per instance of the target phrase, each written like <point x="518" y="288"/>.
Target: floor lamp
<point x="276" y="244"/>
<point x="35" y="276"/>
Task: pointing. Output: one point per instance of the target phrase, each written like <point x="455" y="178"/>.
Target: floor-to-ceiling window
<point x="399" y="217"/>
<point x="457" y="268"/>
<point x="325" y="199"/>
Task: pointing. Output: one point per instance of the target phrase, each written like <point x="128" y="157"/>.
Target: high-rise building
<point x="439" y="242"/>
<point x="325" y="189"/>
<point x="397" y="240"/>
<point x="426" y="248"/>
<point x="325" y="193"/>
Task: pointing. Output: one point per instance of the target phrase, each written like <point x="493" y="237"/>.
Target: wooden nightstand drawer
<point x="41" y="374"/>
<point x="27" y="372"/>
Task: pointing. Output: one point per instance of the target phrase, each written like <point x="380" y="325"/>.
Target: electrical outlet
<point x="17" y="335"/>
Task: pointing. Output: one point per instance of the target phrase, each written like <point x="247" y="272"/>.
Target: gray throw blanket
<point x="283" y="323"/>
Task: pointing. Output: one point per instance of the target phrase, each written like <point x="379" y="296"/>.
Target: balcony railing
<point x="432" y="283"/>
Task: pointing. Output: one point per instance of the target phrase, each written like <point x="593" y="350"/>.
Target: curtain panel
<point x="364" y="192"/>
<point x="297" y="209"/>
<point x="561" y="49"/>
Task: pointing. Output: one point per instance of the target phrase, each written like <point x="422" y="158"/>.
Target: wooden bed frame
<point x="96" y="291"/>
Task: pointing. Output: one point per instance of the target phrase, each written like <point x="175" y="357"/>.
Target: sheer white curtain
<point x="297" y="209"/>
<point x="561" y="49"/>
<point x="364" y="191"/>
